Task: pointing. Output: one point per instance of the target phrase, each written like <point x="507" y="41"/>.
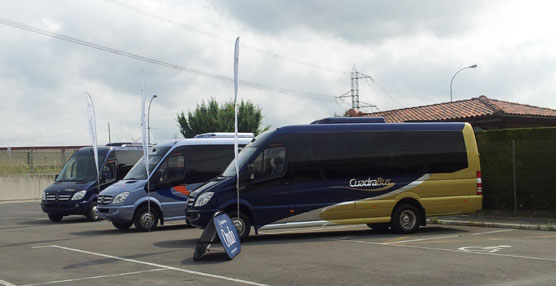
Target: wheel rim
<point x="147" y="220"/>
<point x="94" y="213"/>
<point x="408" y="219"/>
<point x="239" y="224"/>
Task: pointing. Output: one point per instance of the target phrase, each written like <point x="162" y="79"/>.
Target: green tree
<point x="213" y="117"/>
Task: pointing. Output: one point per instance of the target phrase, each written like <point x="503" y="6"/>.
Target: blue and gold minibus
<point x="384" y="175"/>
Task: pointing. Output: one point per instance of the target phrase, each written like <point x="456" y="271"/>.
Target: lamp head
<point x="473" y="66"/>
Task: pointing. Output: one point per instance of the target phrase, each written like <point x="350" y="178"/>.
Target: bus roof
<point x="443" y="126"/>
<point x="204" y="141"/>
<point x="109" y="147"/>
<point x="340" y="120"/>
<point x="225" y="135"/>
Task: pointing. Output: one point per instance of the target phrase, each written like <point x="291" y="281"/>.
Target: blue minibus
<point x="384" y="175"/>
<point x="175" y="169"/>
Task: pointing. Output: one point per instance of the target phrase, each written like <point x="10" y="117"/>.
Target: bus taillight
<point x="479" y="183"/>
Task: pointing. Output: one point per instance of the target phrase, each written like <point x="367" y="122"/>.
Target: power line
<point x="256" y="85"/>
<point x="384" y="92"/>
<point x="215" y="36"/>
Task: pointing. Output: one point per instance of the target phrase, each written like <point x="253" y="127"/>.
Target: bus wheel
<point x="405" y="219"/>
<point x="122" y="225"/>
<point x="145" y="220"/>
<point x="242" y="223"/>
<point x="379" y="226"/>
<point x="93" y="212"/>
<point x="55" y="217"/>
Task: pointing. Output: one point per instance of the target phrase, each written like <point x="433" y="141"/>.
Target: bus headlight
<point x="203" y="199"/>
<point x="79" y="195"/>
<point x="120" y="198"/>
<point x="43" y="196"/>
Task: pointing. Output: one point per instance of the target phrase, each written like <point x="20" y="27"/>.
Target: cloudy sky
<point x="295" y="59"/>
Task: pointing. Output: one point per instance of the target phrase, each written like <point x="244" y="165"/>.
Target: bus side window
<point x="270" y="163"/>
<point x="108" y="173"/>
<point x="172" y="170"/>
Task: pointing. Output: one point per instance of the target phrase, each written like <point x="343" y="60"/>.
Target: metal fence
<point x="34" y="160"/>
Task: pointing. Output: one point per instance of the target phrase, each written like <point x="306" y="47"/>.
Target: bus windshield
<point x="80" y="167"/>
<point x="139" y="172"/>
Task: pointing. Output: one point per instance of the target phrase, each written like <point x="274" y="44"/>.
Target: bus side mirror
<point x="155" y="178"/>
<point x="56" y="177"/>
<point x="153" y="182"/>
<point x="250" y="172"/>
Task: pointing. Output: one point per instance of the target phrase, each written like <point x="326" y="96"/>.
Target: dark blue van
<point x="75" y="190"/>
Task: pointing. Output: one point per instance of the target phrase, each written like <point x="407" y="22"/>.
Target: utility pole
<point x="355" y="77"/>
<point x="354" y="88"/>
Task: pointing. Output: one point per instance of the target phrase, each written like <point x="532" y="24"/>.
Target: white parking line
<point x="446" y="249"/>
<point x="94" y="277"/>
<point x="494" y="231"/>
<point x="422" y="239"/>
<point x="154" y="264"/>
<point x="300" y="230"/>
<point x="5" y="283"/>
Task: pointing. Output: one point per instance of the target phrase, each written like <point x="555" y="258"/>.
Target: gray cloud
<point x="410" y="48"/>
<point x="358" y="21"/>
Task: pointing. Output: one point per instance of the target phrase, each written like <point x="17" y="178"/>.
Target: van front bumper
<point x="66" y="207"/>
<point x="199" y="218"/>
<point x="116" y="213"/>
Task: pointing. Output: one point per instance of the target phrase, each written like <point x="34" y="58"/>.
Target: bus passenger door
<point x="169" y="187"/>
<point x="268" y="191"/>
<point x="308" y="192"/>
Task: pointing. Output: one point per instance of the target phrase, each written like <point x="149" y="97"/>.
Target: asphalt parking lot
<point x="34" y="251"/>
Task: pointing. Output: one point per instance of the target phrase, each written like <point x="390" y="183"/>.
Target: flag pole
<point x="144" y="128"/>
<point x="93" y="132"/>
<point x="236" y="64"/>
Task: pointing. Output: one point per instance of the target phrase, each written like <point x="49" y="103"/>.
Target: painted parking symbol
<point x="483" y="249"/>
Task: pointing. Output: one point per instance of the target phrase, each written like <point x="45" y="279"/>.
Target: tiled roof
<point x="459" y="110"/>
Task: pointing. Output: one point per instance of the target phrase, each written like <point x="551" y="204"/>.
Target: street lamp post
<point x="452" y="81"/>
<point x="149" y="118"/>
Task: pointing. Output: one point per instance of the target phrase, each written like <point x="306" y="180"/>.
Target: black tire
<point x="243" y="224"/>
<point x="122" y="225"/>
<point x="55" y="217"/>
<point x="145" y="220"/>
<point x="92" y="214"/>
<point x="380" y="227"/>
<point x="406" y="219"/>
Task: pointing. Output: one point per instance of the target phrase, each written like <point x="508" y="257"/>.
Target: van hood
<point x="68" y="187"/>
<point x="223" y="182"/>
<point x="122" y="186"/>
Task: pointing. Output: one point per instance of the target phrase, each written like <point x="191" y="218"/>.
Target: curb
<point x="494" y="224"/>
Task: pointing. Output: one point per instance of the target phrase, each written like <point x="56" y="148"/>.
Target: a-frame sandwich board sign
<point x="220" y="225"/>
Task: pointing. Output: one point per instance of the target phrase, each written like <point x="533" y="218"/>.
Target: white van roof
<point x="224" y="135"/>
<point x="204" y="141"/>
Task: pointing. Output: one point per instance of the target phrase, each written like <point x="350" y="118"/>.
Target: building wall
<point x="34" y="160"/>
<point x="23" y="187"/>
